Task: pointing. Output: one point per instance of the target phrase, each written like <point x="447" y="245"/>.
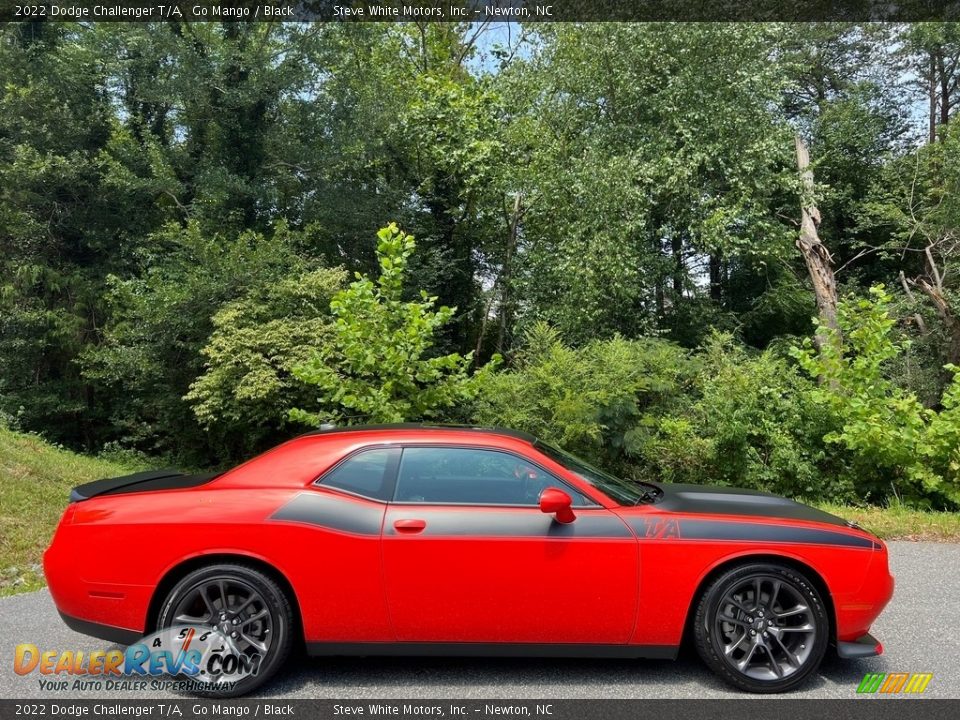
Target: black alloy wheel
<point x="762" y="627"/>
<point x="249" y="611"/>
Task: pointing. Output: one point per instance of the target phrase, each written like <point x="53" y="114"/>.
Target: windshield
<point x="620" y="490"/>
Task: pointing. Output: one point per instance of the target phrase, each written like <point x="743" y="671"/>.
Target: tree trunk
<point x="950" y="320"/>
<point x="934" y="291"/>
<point x="933" y="97"/>
<point x="944" y="91"/>
<point x="506" y="310"/>
<point x="815" y="255"/>
<point x="917" y="317"/>
<point x="716" y="278"/>
<point x="676" y="249"/>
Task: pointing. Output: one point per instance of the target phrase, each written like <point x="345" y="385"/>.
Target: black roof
<point x="507" y="432"/>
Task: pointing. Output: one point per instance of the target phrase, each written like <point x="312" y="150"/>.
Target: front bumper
<point x="863" y="647"/>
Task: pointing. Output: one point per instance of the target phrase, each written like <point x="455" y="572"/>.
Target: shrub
<point x="894" y="443"/>
<point x="377" y="365"/>
<point x="595" y="400"/>
<point x="752" y="424"/>
<point x="257" y="342"/>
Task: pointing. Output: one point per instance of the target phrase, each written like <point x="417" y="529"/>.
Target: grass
<point x="36" y="477"/>
<point x="898" y="522"/>
<point x="35" y="481"/>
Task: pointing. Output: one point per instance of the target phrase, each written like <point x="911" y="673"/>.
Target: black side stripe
<point x="493" y="523"/>
<point x="352" y="516"/>
<point x="362" y="518"/>
<point x="758" y="532"/>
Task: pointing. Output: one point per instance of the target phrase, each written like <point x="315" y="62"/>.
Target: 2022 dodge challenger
<point x="411" y="540"/>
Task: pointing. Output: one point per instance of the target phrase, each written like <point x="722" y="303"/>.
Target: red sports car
<point x="413" y="540"/>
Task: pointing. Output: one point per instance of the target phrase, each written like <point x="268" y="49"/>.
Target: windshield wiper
<point x="649" y="493"/>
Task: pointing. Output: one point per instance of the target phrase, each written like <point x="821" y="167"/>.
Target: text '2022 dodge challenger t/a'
<point x="413" y="539"/>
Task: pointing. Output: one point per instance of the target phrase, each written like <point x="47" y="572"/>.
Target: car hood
<point x="701" y="499"/>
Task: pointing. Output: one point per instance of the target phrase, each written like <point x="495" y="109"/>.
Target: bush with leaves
<point x="753" y="424"/>
<point x="160" y="320"/>
<point x="377" y="365"/>
<point x="896" y="444"/>
<point x="943" y="437"/>
<point x="596" y="400"/>
<point x="257" y="343"/>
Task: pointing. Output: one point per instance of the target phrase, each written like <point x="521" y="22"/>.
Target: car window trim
<point x="390" y="472"/>
<point x="463" y="446"/>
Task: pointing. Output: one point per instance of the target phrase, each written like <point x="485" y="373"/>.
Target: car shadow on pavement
<point x="686" y="677"/>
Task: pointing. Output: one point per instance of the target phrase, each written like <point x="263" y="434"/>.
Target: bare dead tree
<point x="933" y="287"/>
<point x="815" y="254"/>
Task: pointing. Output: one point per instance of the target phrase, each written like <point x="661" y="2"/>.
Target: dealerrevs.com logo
<point x="894" y="683"/>
<point x="201" y="656"/>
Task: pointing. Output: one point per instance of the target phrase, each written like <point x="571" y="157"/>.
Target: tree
<point x="160" y="322"/>
<point x="913" y="209"/>
<point x="635" y="179"/>
<point x="932" y="52"/>
<point x="257" y="343"/>
<point x="884" y="426"/>
<point x="377" y="365"/>
<point x="59" y="234"/>
<point x="815" y="254"/>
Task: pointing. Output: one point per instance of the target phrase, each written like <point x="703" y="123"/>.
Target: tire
<point x="762" y="627"/>
<point x="272" y="629"/>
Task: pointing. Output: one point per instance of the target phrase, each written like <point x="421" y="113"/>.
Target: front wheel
<point x="248" y="610"/>
<point x="762" y="627"/>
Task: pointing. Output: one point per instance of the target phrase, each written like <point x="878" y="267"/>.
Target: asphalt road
<point x="919" y="630"/>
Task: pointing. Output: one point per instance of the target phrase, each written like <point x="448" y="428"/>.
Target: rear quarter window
<point x="364" y="473"/>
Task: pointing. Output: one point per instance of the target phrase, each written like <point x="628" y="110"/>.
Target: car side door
<point x="470" y="558"/>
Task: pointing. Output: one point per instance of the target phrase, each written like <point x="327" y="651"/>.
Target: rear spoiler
<point x="149" y="481"/>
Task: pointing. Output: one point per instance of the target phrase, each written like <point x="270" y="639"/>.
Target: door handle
<point x="410" y="526"/>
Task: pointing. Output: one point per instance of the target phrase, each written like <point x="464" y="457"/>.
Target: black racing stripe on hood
<point x="334" y="513"/>
<point x="700" y="499"/>
<point x="760" y="532"/>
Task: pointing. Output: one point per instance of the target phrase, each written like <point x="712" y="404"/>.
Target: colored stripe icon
<point x="891" y="683"/>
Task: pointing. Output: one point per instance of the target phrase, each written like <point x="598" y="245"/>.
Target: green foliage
<point x="833" y="426"/>
<point x="377" y="364"/>
<point x="597" y="400"/>
<point x="257" y="344"/>
<point x="58" y="233"/>
<point x="753" y="424"/>
<point x="893" y="440"/>
<point x="633" y="155"/>
<point x="170" y="195"/>
<point x="160" y="321"/>
<point x="943" y="438"/>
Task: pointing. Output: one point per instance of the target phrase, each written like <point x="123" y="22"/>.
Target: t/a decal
<point x="658" y="528"/>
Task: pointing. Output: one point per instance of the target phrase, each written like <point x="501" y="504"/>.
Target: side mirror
<point x="555" y="501"/>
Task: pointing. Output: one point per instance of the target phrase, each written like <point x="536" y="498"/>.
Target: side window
<point x="473" y="477"/>
<point x="366" y="473"/>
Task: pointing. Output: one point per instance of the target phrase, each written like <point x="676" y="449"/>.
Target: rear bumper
<point x="120" y="636"/>
<point x="863" y="647"/>
<point x="86" y="606"/>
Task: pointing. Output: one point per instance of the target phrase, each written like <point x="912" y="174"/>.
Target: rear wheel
<point x="249" y="611"/>
<point x="762" y="627"/>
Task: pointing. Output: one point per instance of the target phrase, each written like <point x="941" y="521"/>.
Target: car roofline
<point x="505" y="432"/>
